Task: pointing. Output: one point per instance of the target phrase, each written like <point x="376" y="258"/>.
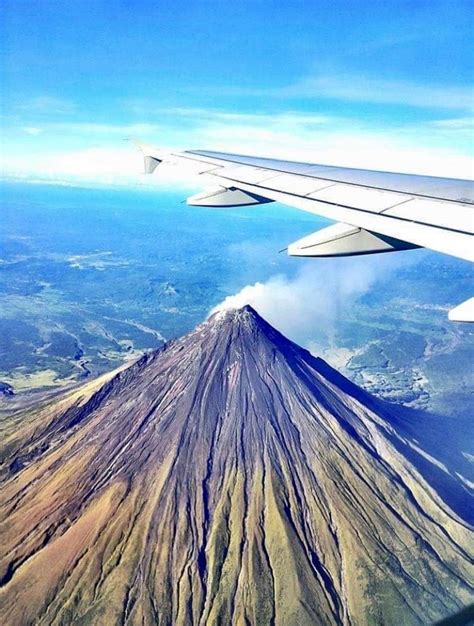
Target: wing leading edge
<point x="376" y="211"/>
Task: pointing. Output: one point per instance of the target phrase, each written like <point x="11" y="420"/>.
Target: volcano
<point x="230" y="477"/>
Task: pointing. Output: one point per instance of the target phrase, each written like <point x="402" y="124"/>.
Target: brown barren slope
<point x="228" y="478"/>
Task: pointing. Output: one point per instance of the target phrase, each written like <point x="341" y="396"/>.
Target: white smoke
<point x="323" y="292"/>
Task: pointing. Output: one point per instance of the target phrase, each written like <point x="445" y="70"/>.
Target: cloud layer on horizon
<point x="96" y="153"/>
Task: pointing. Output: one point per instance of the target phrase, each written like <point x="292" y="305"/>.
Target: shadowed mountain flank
<point x="228" y="478"/>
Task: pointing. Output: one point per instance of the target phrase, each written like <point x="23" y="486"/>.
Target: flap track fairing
<point x="345" y="240"/>
<point x="223" y="197"/>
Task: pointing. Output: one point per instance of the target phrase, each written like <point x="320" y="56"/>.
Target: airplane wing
<point x="375" y="211"/>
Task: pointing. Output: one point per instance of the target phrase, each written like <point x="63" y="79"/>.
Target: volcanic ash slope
<point x="228" y="478"/>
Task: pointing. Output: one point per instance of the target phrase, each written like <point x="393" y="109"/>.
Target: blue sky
<point x="371" y="84"/>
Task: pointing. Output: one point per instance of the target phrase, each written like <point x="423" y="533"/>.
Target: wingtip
<point x="152" y="156"/>
<point x="138" y="144"/>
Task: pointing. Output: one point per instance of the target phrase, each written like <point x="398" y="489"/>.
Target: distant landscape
<point x="92" y="278"/>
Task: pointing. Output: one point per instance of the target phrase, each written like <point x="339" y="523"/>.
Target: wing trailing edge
<point x="226" y="197"/>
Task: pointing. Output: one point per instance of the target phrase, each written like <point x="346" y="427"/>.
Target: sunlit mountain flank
<point x="230" y="477"/>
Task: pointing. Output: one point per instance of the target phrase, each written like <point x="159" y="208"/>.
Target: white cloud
<point x="463" y="124"/>
<point x="48" y="104"/>
<point x="367" y="89"/>
<point x="360" y="88"/>
<point x="32" y="130"/>
<point x="112" y="165"/>
<point x="319" y="296"/>
<point x="409" y="149"/>
<point x="284" y="118"/>
<point x="95" y="129"/>
<point x="437" y="149"/>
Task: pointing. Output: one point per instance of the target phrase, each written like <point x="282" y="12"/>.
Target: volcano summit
<point x="230" y="478"/>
